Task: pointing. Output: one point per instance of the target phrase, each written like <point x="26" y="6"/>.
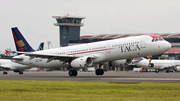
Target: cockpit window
<point x="161" y="39"/>
<point x="157" y="39"/>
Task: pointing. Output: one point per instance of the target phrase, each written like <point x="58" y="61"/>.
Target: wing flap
<point x="50" y="56"/>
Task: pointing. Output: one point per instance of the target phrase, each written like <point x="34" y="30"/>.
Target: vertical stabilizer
<point x="41" y="46"/>
<point x="20" y="42"/>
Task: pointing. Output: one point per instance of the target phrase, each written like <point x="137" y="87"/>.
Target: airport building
<point x="69" y="28"/>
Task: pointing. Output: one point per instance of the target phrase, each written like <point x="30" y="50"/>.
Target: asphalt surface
<point x="110" y="76"/>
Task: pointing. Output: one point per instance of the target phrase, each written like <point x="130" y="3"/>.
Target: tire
<point x="70" y="73"/>
<point x="150" y="65"/>
<point x="101" y="71"/>
<point x="97" y="71"/>
<point x="4" y="72"/>
<point x="75" y="73"/>
<point x="20" y="72"/>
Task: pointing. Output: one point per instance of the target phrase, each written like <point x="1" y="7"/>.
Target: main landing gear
<point x="99" y="71"/>
<point x="73" y="73"/>
<point x="20" y="72"/>
<point x="5" y="72"/>
<point x="150" y="64"/>
<point x="16" y="71"/>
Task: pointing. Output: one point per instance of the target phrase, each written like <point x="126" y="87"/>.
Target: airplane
<point x="21" y="45"/>
<point x="6" y="52"/>
<point x="90" y="54"/>
<point x="158" y="64"/>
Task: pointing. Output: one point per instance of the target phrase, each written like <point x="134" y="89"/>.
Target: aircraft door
<point x="68" y="52"/>
<point x="108" y="47"/>
<point x="142" y="43"/>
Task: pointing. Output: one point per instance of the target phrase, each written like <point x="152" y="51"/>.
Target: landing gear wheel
<point x="167" y="71"/>
<point x="150" y="65"/>
<point x="73" y="73"/>
<point x="20" y="72"/>
<point x="99" y="72"/>
<point x="70" y="73"/>
<point x="4" y="72"/>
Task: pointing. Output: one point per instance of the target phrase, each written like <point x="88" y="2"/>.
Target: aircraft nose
<point x="167" y="46"/>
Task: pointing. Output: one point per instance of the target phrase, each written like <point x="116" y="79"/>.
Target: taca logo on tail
<point x="20" y="41"/>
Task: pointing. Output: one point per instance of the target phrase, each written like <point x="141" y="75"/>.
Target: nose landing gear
<point x="150" y="64"/>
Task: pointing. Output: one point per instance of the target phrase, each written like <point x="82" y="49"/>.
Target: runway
<point x="110" y="76"/>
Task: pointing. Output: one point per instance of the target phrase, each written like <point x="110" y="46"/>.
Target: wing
<point x="51" y="57"/>
<point x="7" y="66"/>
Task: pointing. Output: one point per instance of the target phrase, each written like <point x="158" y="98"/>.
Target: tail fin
<point x="20" y="42"/>
<point x="41" y="46"/>
<point x="6" y="52"/>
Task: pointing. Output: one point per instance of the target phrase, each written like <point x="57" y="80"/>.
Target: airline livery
<point x="20" y="42"/>
<point x="88" y="55"/>
<point x="21" y="45"/>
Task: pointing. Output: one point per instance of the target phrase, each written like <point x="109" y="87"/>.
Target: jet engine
<point x="81" y="62"/>
<point x="120" y="63"/>
<point x="177" y="69"/>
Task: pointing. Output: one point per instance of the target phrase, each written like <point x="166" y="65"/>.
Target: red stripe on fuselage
<point x="155" y="36"/>
<point x="16" y="40"/>
<point x="92" y="51"/>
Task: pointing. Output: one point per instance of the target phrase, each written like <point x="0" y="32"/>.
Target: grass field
<point x="11" y="90"/>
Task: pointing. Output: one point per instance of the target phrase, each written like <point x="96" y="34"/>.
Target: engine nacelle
<point x="82" y="62"/>
<point x="120" y="63"/>
<point x="177" y="68"/>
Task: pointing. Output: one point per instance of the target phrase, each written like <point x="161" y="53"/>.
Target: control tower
<point x="69" y="28"/>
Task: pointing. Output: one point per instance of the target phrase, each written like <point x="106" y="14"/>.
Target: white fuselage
<point x="12" y="65"/>
<point x="103" y="51"/>
<point x="158" y="64"/>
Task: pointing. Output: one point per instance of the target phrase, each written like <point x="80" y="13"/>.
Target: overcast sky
<point x="34" y="18"/>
